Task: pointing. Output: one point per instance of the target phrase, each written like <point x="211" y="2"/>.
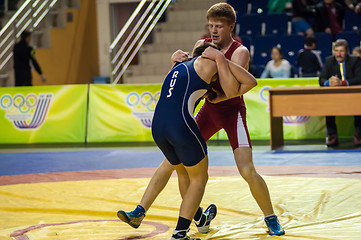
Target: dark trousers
<point x="331" y="124"/>
<point x="23" y="78"/>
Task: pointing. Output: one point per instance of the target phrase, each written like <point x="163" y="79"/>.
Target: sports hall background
<point x="66" y="170"/>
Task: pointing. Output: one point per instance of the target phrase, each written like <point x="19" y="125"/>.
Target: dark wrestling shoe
<point x="210" y="213"/>
<point x="332" y="140"/>
<point x="274" y="227"/>
<point x="182" y="235"/>
<point x="133" y="219"/>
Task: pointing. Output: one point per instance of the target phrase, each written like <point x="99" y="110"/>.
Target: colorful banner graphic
<point x="26" y="112"/>
<point x="44" y="114"/>
<point x="121" y="113"/>
<point x="124" y="113"/>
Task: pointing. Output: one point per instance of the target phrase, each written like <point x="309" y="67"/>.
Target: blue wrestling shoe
<point x="208" y="215"/>
<point x="133" y="219"/>
<point x="274" y="227"/>
<point x="182" y="235"/>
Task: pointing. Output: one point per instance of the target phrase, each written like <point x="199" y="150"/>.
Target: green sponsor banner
<point x="123" y="113"/>
<point x="43" y="114"/>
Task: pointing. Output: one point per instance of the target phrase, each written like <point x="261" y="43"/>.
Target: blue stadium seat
<point x="276" y="23"/>
<point x="250" y="25"/>
<point x="262" y="48"/>
<point x="324" y="44"/>
<point x="246" y="41"/>
<point x="291" y="45"/>
<point x="259" y="6"/>
<point x="240" y="7"/>
<point x="352" y="21"/>
<point x="352" y="37"/>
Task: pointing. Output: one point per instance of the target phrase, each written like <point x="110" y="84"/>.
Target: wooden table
<point x="310" y="101"/>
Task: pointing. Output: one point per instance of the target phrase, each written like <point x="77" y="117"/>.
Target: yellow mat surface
<point x="308" y="208"/>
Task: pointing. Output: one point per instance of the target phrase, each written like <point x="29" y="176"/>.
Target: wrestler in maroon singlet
<point x="229" y="114"/>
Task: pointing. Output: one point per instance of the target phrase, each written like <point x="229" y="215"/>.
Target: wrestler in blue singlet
<point x="174" y="129"/>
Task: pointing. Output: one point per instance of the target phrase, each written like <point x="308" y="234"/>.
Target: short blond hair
<point x="222" y="11"/>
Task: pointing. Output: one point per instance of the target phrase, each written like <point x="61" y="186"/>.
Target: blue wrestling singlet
<point x="174" y="129"/>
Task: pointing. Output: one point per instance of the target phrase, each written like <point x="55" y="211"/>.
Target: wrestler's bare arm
<point x="241" y="57"/>
<point x="247" y="81"/>
<point x="237" y="80"/>
<point x="228" y="81"/>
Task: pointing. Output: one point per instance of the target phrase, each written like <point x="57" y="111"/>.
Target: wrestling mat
<point x="308" y="208"/>
<point x="70" y="194"/>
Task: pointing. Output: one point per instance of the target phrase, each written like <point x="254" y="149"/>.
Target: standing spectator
<point x="308" y="60"/>
<point x="23" y="54"/>
<point x="302" y="11"/>
<point x="2" y="10"/>
<point x="356" y="51"/>
<point x="341" y="70"/>
<point x="329" y="17"/>
<point x="278" y="67"/>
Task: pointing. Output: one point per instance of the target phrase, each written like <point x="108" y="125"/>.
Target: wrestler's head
<point x="221" y="19"/>
<point x="200" y="49"/>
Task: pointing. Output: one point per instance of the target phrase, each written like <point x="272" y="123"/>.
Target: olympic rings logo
<point x="145" y="101"/>
<point x="262" y="93"/>
<point x="18" y="103"/>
